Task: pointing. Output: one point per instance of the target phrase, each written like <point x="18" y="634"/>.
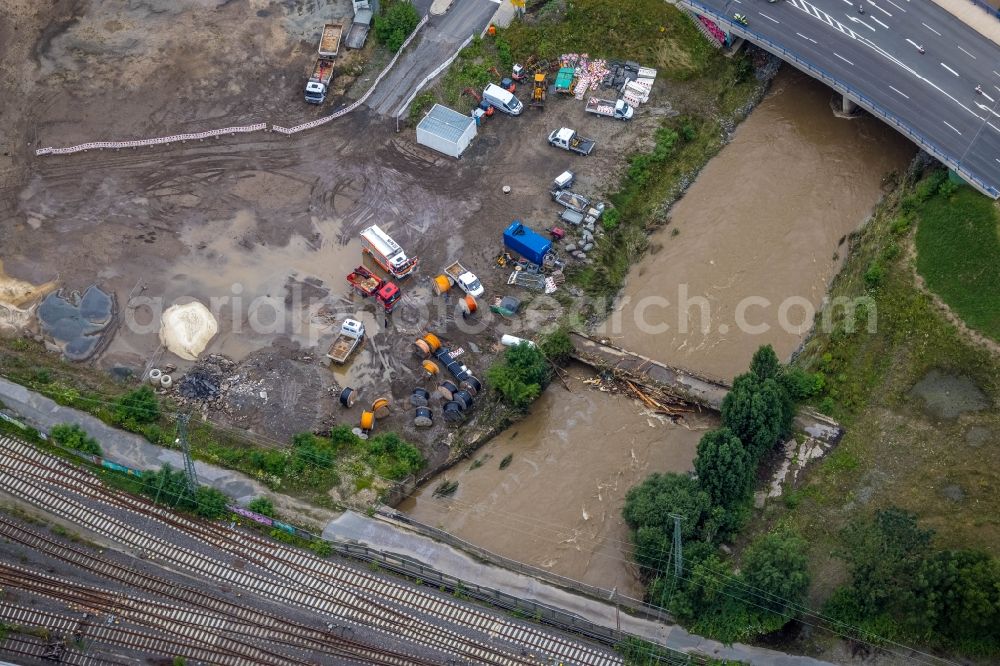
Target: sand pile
<point x="187" y="329"/>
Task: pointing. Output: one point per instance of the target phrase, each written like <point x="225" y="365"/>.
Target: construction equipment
<point x="539" y="90"/>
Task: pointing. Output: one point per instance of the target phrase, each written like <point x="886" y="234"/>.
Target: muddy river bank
<point x="770" y="239"/>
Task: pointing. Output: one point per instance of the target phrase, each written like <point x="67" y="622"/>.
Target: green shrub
<point x="261" y="505"/>
<point x="397" y="21"/>
<point x="73" y="436"/>
<point x="137" y="407"/>
<point x="520" y="375"/>
<point x="557" y="346"/>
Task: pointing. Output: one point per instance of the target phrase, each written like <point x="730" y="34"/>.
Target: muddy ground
<point x="262" y="227"/>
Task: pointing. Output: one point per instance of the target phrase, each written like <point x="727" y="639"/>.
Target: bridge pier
<point x="846" y="109"/>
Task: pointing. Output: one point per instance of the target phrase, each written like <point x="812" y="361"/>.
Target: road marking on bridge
<point x="915" y="45"/>
<point x="949" y="69"/>
<point x="857" y="20"/>
<point x="931" y="29"/>
<point x="952" y="126"/>
<point x="809" y="38"/>
<point x="880" y="23"/>
<point x="967" y="53"/>
<point x="843" y="58"/>
<point x="993" y="126"/>
<point x="901" y="93"/>
<point x="879" y="8"/>
<point x="896" y="6"/>
<point x="997" y="89"/>
<point x="768" y="17"/>
<point x="986" y="108"/>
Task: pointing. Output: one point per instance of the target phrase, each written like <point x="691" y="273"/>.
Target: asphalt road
<point x="878" y="54"/>
<point x="437" y="42"/>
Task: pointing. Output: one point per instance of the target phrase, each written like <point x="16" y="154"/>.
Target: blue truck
<point x="529" y="244"/>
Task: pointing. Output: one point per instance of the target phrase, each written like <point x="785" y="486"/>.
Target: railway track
<point x="267" y="628"/>
<point x="364" y="599"/>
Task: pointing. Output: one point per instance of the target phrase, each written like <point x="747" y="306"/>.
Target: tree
<point x="883" y="554"/>
<point x="725" y="469"/>
<point x="396" y="23"/>
<point x="210" y="503"/>
<point x="775" y="568"/>
<point x="261" y="505"/>
<point x="557" y="346"/>
<point x="73" y="436"/>
<point x="765" y="364"/>
<point x="650" y="504"/>
<point x="956" y="593"/>
<point x="758" y="412"/>
<point x="520" y="376"/>
<point x="137" y="407"/>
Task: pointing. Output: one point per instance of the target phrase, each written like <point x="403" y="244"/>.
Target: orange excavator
<point x="538" y="91"/>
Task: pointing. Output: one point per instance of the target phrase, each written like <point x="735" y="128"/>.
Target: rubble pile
<point x="205" y="383"/>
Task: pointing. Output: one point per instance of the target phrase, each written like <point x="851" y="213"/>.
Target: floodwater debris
<point x="446" y="488"/>
<point x="76" y="323"/>
<point x="187" y="329"/>
<point x="506" y="460"/>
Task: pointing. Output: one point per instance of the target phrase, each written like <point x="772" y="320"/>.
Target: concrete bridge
<point x="910" y="63"/>
<point x="688" y="385"/>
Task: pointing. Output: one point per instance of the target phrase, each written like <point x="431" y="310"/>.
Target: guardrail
<point x="988" y="8"/>
<point x="847" y="90"/>
<point x="427" y="79"/>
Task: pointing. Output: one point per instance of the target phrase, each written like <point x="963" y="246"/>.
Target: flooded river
<point x="766" y="218"/>
<point x="753" y="244"/>
<point x="557" y="504"/>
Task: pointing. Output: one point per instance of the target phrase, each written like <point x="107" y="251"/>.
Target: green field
<point x="958" y="254"/>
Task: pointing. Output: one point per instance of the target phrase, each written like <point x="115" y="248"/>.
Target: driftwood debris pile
<point x="657" y="399"/>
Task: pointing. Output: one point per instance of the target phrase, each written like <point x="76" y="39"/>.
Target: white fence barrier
<point x="427" y="79"/>
<point x="117" y="145"/>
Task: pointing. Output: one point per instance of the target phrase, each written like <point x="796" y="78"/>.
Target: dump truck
<point x="617" y="109"/>
<point x="529" y="244"/>
<point x="568" y="139"/>
<point x="368" y="284"/>
<point x="318" y="84"/>
<point x="358" y="33"/>
<point x="465" y="279"/>
<point x="352" y="332"/>
<point x="565" y="79"/>
<point x="329" y="41"/>
<point x="387" y="253"/>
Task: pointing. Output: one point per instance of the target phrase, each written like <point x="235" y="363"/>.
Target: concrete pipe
<point x="348" y="396"/>
<point x="420" y="397"/>
<point x="381" y="408"/>
<point x="166" y="381"/>
<point x="154" y="376"/>
<point x="442" y="285"/>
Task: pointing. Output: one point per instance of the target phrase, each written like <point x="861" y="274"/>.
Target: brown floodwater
<point x="557" y="504"/>
<point x="767" y="217"/>
<point x="765" y="220"/>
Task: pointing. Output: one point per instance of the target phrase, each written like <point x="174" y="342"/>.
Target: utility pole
<point x="618" y="612"/>
<point x="182" y="439"/>
<point x="678" y="554"/>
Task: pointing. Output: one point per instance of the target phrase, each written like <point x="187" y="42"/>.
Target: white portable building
<point x="446" y="131"/>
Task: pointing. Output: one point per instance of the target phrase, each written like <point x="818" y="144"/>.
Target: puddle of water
<point x="558" y="503"/>
<point x="763" y="219"/>
<point x="949" y="396"/>
<point x="257" y="292"/>
<point x="74" y="322"/>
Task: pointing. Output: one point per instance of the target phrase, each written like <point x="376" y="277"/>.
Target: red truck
<point x="367" y="284"/>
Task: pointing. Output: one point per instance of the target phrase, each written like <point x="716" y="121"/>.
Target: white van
<point x="503" y="100"/>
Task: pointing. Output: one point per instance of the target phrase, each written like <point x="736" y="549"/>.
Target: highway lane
<point x="876" y="53"/>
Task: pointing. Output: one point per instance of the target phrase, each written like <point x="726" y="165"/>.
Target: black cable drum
<point x="348" y="396"/>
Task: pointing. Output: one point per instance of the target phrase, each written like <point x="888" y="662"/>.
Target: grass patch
<point x="958" y="254"/>
<point x="893" y="452"/>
